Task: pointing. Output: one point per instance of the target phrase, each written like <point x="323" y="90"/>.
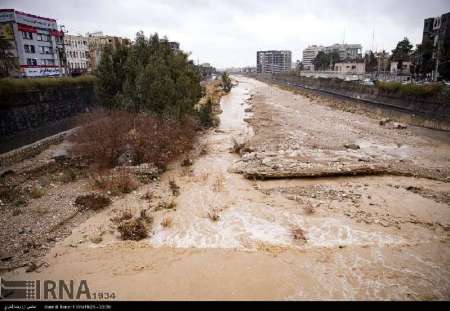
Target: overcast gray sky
<point x="229" y="32"/>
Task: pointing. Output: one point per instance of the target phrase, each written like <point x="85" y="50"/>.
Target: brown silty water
<point x="364" y="239"/>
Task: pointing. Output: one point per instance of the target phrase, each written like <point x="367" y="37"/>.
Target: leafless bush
<point x="37" y="192"/>
<point x="187" y="162"/>
<point x="103" y="136"/>
<point x="214" y="215"/>
<point x="134" y="229"/>
<point x="298" y="234"/>
<point x="237" y="147"/>
<point x="41" y="210"/>
<point x="93" y="201"/>
<point x="167" y="222"/>
<point x="309" y="210"/>
<point x="116" y="183"/>
<point x="145" y="218"/>
<point x="219" y="184"/>
<point x="174" y="188"/>
<point x="148" y="196"/>
<point x="68" y="175"/>
<point x="166" y="205"/>
<point x="124" y="216"/>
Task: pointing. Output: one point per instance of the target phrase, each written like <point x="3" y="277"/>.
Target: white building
<point x="273" y="61"/>
<point x="309" y="54"/>
<point x="346" y="51"/>
<point x="37" y="43"/>
<point x="350" y="68"/>
<point x="405" y="70"/>
<point x="77" y="53"/>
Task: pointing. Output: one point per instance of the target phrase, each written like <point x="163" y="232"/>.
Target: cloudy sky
<point x="229" y="32"/>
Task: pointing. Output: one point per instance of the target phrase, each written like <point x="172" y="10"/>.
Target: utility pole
<point x="436" y="73"/>
<point x="62" y="54"/>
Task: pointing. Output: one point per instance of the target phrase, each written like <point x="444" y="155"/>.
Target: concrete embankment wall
<point x="433" y="112"/>
<point x="29" y="151"/>
<point x="33" y="109"/>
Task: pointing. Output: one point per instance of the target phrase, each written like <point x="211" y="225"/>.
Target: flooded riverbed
<point x="361" y="237"/>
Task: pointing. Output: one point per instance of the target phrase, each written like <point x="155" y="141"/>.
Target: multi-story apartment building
<point x="309" y="54"/>
<point x="347" y="52"/>
<point x="273" y="61"/>
<point x="174" y="46"/>
<point x="98" y="41"/>
<point x="77" y="53"/>
<point x="436" y="32"/>
<point x="36" y="42"/>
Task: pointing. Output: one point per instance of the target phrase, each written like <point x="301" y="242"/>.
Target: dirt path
<point x="379" y="237"/>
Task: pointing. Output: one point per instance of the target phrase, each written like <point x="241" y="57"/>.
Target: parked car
<point x="367" y="82"/>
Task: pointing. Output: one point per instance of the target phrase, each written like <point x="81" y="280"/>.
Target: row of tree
<point x="422" y="59"/>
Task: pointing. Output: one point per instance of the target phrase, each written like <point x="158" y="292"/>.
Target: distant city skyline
<point x="229" y="33"/>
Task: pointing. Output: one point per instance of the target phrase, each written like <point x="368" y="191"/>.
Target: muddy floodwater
<point x="358" y="238"/>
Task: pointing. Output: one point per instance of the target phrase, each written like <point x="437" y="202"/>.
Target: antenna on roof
<point x="373" y="39"/>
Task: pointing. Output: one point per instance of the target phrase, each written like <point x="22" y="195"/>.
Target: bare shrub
<point x="219" y="184"/>
<point x="145" y="218"/>
<point x="148" y="196"/>
<point x="187" y="162"/>
<point x="93" y="201"/>
<point x="174" y="188"/>
<point x="37" y="192"/>
<point x="237" y="147"/>
<point x="298" y="234"/>
<point x="116" y="183"/>
<point x="166" y="205"/>
<point x="186" y="171"/>
<point x="123" y="216"/>
<point x="167" y="222"/>
<point x="309" y="210"/>
<point x="103" y="136"/>
<point x="68" y="175"/>
<point x="134" y="229"/>
<point x="214" y="215"/>
<point x="125" y="183"/>
<point x="41" y="210"/>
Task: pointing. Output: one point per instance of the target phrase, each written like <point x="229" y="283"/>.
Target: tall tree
<point x="425" y="52"/>
<point x="371" y="62"/>
<point x="444" y="61"/>
<point x="402" y="52"/>
<point x="334" y="58"/>
<point x="322" y="61"/>
<point x="326" y="61"/>
<point x="111" y="74"/>
<point x="149" y="76"/>
<point x="8" y="62"/>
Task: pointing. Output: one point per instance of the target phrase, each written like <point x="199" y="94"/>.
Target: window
<point x="42" y="37"/>
<point x="47" y="62"/>
<point x="29" y="49"/>
<point x="46" y="50"/>
<point x="31" y="62"/>
<point x="27" y="35"/>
